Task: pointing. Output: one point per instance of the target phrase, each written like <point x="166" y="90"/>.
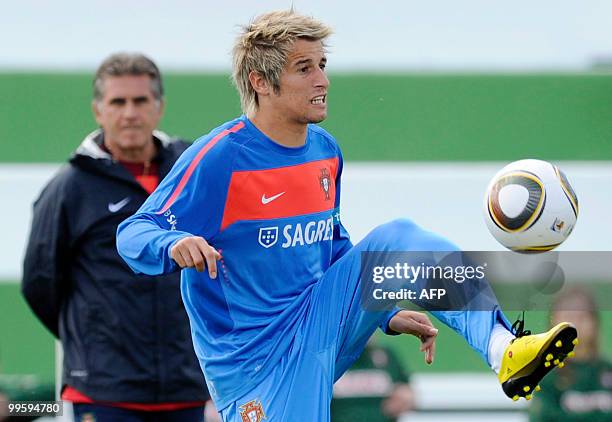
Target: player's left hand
<point x="419" y="325"/>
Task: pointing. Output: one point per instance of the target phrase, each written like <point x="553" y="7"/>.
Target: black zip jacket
<point x="125" y="337"/>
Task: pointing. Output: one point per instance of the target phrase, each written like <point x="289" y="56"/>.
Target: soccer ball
<point x="530" y="206"/>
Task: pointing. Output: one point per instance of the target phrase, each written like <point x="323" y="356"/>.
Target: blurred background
<point x="427" y="100"/>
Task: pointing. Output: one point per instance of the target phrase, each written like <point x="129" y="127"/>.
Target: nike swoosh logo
<point x="118" y="205"/>
<point x="265" y="200"/>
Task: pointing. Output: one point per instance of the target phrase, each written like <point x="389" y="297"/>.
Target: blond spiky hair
<point x="263" y="47"/>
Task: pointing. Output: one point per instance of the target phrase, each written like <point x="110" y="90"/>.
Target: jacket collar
<point x="91" y="157"/>
<point x="92" y="144"/>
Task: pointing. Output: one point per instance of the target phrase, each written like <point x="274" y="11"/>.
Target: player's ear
<point x="95" y="109"/>
<point x="259" y="83"/>
<point x="161" y="106"/>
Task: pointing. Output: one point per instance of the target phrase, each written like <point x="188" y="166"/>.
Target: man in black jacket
<point x="126" y="338"/>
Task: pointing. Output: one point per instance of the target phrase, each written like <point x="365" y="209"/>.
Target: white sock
<point x="500" y="339"/>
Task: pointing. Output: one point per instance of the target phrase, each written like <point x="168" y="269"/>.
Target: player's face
<point x="585" y="323"/>
<point x="303" y="84"/>
<point x="128" y="112"/>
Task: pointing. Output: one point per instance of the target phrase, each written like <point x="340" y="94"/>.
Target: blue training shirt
<point x="273" y="214"/>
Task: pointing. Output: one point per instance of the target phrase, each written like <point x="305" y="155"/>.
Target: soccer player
<point x="375" y="389"/>
<point x="583" y="392"/>
<point x="127" y="347"/>
<point x="270" y="279"/>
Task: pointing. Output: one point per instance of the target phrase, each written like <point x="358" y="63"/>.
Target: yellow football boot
<point x="528" y="358"/>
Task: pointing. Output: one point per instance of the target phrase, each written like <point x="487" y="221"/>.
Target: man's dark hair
<point x="576" y="298"/>
<point x="121" y="64"/>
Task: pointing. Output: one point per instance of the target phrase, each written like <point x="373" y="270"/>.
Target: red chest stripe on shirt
<point x="282" y="192"/>
<point x="194" y="163"/>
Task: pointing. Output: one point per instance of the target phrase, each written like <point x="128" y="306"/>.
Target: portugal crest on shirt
<point x="325" y="182"/>
<point x="268" y="236"/>
<point x="252" y="412"/>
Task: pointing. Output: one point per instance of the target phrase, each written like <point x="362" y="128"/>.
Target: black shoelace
<point x="518" y="327"/>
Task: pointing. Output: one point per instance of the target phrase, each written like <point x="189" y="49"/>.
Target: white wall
<point x="446" y="198"/>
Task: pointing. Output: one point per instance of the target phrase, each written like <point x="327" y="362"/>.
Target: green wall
<point x="27" y="348"/>
<point x="375" y="117"/>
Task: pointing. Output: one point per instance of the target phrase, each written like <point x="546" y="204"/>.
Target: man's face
<point x="128" y="112"/>
<point x="303" y="84"/>
<point x="584" y="322"/>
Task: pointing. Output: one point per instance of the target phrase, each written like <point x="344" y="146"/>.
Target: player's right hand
<point x="195" y="252"/>
<point x="418" y="325"/>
